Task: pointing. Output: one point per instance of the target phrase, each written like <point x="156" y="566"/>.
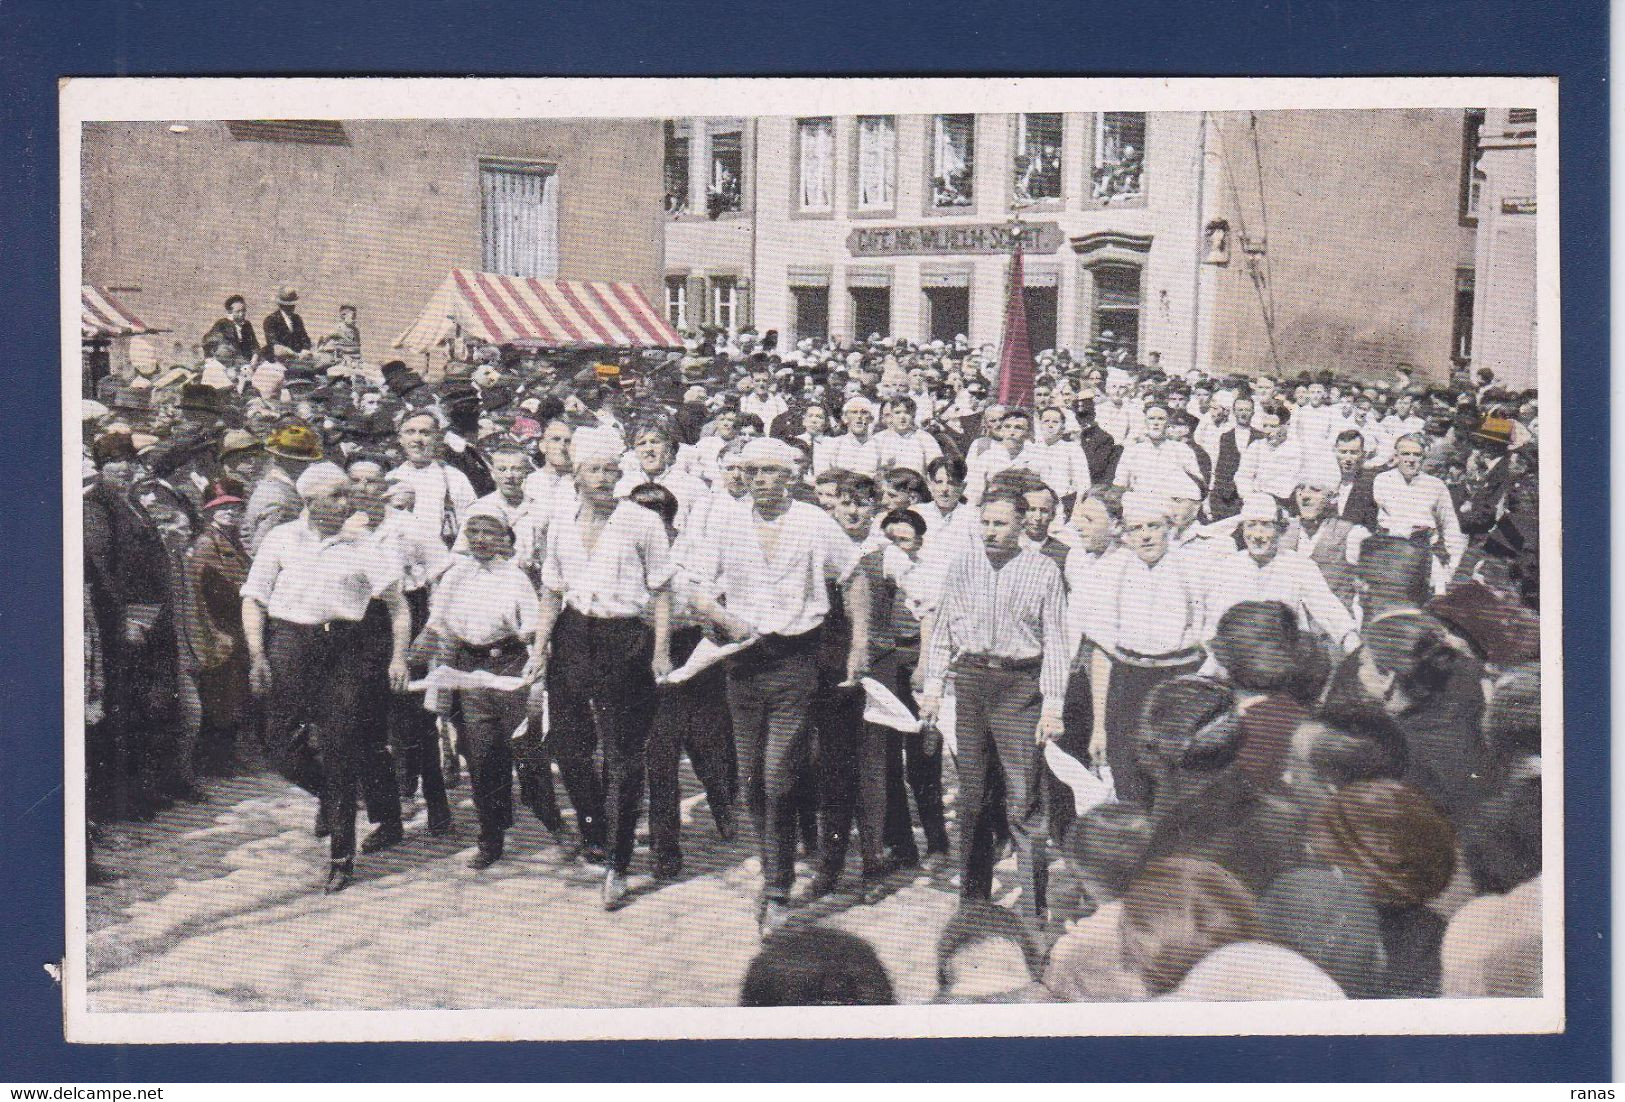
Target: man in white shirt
<point x="303" y="602"/>
<point x="1064" y="458"/>
<point x="761" y="400"/>
<point x="1418" y="506"/>
<point x="855" y="449"/>
<point x="510" y="467"/>
<point x="443" y="493"/>
<point x="652" y="455"/>
<point x="1118" y="414"/>
<point x="902" y="443"/>
<point x="606" y="566"/>
<point x="1263" y="571"/>
<point x="484" y="613"/>
<point x="1014" y="449"/>
<point x="771" y="570"/>
<point x="1148" y="619"/>
<point x="551" y="482"/>
<point x="1156" y="461"/>
<point x="1272" y="463"/>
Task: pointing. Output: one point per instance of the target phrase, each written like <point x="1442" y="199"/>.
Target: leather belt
<point x="1000" y="664"/>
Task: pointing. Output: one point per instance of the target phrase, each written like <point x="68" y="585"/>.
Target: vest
<point x="1329" y="552"/>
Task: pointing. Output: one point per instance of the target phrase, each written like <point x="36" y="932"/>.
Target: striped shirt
<point x="1016" y="611"/>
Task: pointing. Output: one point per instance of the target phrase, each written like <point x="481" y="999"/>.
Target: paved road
<point x="217" y="906"/>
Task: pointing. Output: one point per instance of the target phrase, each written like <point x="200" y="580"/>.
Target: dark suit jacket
<point x="1224" y="501"/>
<point x="278" y="331"/>
<point x="226" y="330"/>
<point x="1101" y="451"/>
<point x="1361" y="507"/>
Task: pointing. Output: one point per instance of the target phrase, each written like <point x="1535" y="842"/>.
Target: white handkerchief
<point x="706" y="655"/>
<point x="947" y="715"/>
<point x="1088" y="789"/>
<point x="446" y="678"/>
<point x="881" y="707"/>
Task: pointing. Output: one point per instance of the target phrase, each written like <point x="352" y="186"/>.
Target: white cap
<point x="1141" y="505"/>
<point x="595" y="445"/>
<point x="765" y="451"/>
<point x="1258" y="507"/>
<point x="1118" y="376"/>
<point x="319" y="478"/>
<point x="1320" y="470"/>
<point x="857" y="402"/>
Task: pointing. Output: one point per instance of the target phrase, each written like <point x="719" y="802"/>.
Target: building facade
<point x="1228" y="241"/>
<point x="177" y="216"/>
<point x="1502" y="203"/>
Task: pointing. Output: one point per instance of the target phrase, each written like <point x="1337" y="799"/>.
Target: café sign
<point x="994" y="237"/>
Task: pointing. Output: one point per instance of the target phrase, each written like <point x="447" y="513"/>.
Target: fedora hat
<point x="202" y="398"/>
<point x="298" y="442"/>
<point x="286" y="296"/>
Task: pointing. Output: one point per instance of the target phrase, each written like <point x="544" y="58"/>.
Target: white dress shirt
<point x="847" y="453"/>
<point x="688" y="489"/>
<point x="765" y="408"/>
<point x="1147" y="612"/>
<point x="629" y="564"/>
<point x="787" y="592"/>
<point x="546" y="488"/>
<point x="1067" y="464"/>
<point x="1290" y="577"/>
<point x="996" y="457"/>
<point x="914" y="451"/>
<point x="305" y="578"/>
<point x="1272" y="469"/>
<point x="1159" y="466"/>
<point x="1422" y="503"/>
<point x="485" y="604"/>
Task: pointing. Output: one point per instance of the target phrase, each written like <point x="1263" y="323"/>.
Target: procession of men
<point x="1285" y="623"/>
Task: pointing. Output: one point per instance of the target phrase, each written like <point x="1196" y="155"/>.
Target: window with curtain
<point x="1118" y="171"/>
<point x="677" y="301"/>
<point x="725" y="303"/>
<point x="815" y="153"/>
<point x="676" y="168"/>
<point x="953" y="160"/>
<point x="1037" y="165"/>
<point x="877" y="162"/>
<point x="725" y="189"/>
<point x="519" y="220"/>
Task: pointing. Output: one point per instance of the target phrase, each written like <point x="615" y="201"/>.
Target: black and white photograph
<point x="623" y="558"/>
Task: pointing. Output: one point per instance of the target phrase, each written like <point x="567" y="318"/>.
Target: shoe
<point x="901" y="857"/>
<point x="339" y="875"/>
<point x="727" y="827"/>
<point x="873" y="892"/>
<point x="615" y="890"/>
<point x="823" y="884"/>
<point x="440" y="823"/>
<point x="321" y="829"/>
<point x="591" y="853"/>
<point x="487" y="855"/>
<point x="668" y="869"/>
<point x="774" y="914"/>
<point x="934" y="859"/>
<point x="387" y="834"/>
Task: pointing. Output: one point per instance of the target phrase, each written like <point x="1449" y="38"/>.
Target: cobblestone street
<point x="217" y="906"/>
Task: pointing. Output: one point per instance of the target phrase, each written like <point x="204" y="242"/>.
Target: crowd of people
<point x="1287" y="623"/>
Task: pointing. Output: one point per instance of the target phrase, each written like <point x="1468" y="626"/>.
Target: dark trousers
<point x="851" y="757"/>
<point x="769" y="696"/>
<point x="601" y="694"/>
<point x="1125" y="698"/>
<point x="489" y="718"/>
<point x="412" y="735"/>
<point x="692" y="716"/>
<point x="311" y="720"/>
<point x="379" y="787"/>
<point x="910" y="768"/>
<point x="996" y="726"/>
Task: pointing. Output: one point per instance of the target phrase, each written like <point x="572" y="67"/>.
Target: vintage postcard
<point x="578" y="559"/>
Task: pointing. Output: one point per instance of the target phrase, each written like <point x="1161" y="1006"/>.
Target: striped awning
<point x="100" y="315"/>
<point x="542" y="312"/>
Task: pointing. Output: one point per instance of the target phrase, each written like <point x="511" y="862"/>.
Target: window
<point x="1037" y="165"/>
<point x="811" y="306"/>
<point x="947" y="312"/>
<point x="1472" y="176"/>
<point x="953" y="160"/>
<point x="815" y="162"/>
<point x="1042" y="305"/>
<point x="877" y="162"/>
<point x="1118" y="170"/>
<point x="725" y="303"/>
<point x="294" y="131"/>
<point x="519" y="220"/>
<point x="1116" y="322"/>
<point x="725" y="184"/>
<point x="676" y="167"/>
<point x="677" y="301"/>
<point x="1461" y="336"/>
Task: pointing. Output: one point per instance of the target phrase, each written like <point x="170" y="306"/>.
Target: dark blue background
<point x="47" y="39"/>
